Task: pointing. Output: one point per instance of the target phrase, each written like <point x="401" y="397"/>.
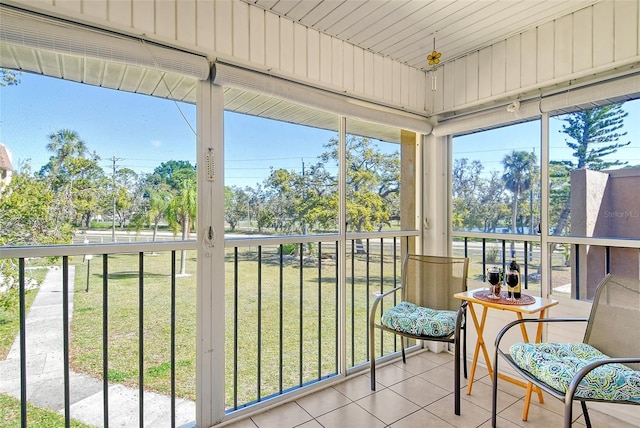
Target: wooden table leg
<point x="479" y="343"/>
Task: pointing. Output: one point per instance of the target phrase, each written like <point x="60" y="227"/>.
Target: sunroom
<point x="330" y="138"/>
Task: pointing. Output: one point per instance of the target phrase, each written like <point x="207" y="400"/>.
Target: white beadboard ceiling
<point x="404" y="30"/>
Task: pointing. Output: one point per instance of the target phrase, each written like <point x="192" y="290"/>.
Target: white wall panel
<point x="358" y="70"/>
<point x="412" y="90"/>
<point x="72" y="5"/>
<point x="460" y="85"/>
<point x="325" y="58"/>
<point x="347" y="62"/>
<point x="286" y="45"/>
<point x="165" y="24"/>
<point x="447" y="84"/>
<point x="420" y="87"/>
<point x="257" y="35"/>
<point x="241" y="30"/>
<point x="300" y="50"/>
<point x="498" y="68"/>
<point x="313" y="55"/>
<point x="378" y="77"/>
<point x="120" y="13"/>
<point x="223" y="27"/>
<point x="205" y="34"/>
<point x="484" y="73"/>
<point x="603" y="33"/>
<point x="96" y="8"/>
<point x="396" y="82"/>
<point x="404" y="84"/>
<point x="369" y="75"/>
<point x="626" y="29"/>
<point x="144" y="16"/>
<point x="528" y="50"/>
<point x="437" y="97"/>
<point x="336" y="62"/>
<point x="387" y="80"/>
<point x="545" y="54"/>
<point x="562" y="50"/>
<point x="583" y="39"/>
<point x="186" y="16"/>
<point x="512" y="65"/>
<point x="272" y="40"/>
<point x="471" y="75"/>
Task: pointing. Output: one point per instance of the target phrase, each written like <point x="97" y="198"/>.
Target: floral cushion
<point x="409" y="318"/>
<point x="556" y="364"/>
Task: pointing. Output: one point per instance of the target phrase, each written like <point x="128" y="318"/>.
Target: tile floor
<point x="417" y="394"/>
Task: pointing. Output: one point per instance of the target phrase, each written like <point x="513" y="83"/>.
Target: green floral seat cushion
<point x="409" y="318"/>
<point x="556" y="364"/>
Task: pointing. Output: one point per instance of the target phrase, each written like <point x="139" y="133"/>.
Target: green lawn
<point x="318" y="319"/>
<point x="37" y="417"/>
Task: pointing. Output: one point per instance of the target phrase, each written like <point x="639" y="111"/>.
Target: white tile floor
<point x="417" y="394"/>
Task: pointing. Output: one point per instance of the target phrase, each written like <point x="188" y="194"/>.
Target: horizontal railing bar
<point x="297" y="239"/>
<point x="578" y="240"/>
<point x="81" y="250"/>
<point x="497" y="236"/>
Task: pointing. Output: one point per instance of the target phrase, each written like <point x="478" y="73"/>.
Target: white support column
<point x="210" y="338"/>
<point x="545" y="254"/>
<point x="342" y="247"/>
<point x="436" y="203"/>
<point x="436" y="197"/>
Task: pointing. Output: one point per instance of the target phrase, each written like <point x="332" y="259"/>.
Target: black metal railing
<point x="284" y="315"/>
<point x="66" y="256"/>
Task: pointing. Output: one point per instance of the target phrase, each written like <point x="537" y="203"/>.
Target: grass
<point x="305" y="338"/>
<point x="37" y="417"/>
<point x="260" y="328"/>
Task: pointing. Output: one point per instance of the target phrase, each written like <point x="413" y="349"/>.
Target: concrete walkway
<point x="45" y="372"/>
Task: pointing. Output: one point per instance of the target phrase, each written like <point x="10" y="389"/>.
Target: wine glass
<point x="493" y="276"/>
<point x="512" y="280"/>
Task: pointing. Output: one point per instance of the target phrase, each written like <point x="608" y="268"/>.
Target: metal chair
<point x="602" y="368"/>
<point x="427" y="309"/>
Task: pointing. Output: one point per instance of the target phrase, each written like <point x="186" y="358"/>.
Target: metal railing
<point x="284" y="318"/>
<point x="64" y="253"/>
<point x="292" y="320"/>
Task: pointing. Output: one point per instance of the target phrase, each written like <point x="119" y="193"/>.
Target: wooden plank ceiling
<point x="405" y="30"/>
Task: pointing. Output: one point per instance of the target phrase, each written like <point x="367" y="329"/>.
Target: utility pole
<point x="113" y="212"/>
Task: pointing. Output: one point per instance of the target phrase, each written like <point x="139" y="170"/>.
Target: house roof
<point x="5" y="159"/>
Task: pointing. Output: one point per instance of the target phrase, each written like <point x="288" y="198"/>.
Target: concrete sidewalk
<point x="45" y="371"/>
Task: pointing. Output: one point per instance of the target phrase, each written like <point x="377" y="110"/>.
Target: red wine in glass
<point x="512" y="280"/>
<point x="493" y="276"/>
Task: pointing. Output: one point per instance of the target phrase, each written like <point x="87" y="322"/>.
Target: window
<point x="99" y="165"/>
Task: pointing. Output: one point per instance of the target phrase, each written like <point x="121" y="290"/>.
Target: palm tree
<point x="159" y="199"/>
<point x="63" y="144"/>
<point x="181" y="214"/>
<point x="520" y="171"/>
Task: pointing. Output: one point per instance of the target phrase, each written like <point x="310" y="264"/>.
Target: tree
<point x="64" y="144"/>
<point x="172" y="173"/>
<point x="9" y="77"/>
<point x="181" y="214"/>
<point x="159" y="199"/>
<point x="478" y="203"/>
<point x="593" y="135"/>
<point x="236" y="206"/>
<point x="25" y="214"/>
<point x="520" y="173"/>
<point x="373" y="183"/>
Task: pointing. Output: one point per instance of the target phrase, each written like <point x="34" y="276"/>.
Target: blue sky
<point x="142" y="131"/>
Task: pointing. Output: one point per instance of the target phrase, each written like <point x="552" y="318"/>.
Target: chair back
<point x="431" y="281"/>
<point x="614" y="322"/>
